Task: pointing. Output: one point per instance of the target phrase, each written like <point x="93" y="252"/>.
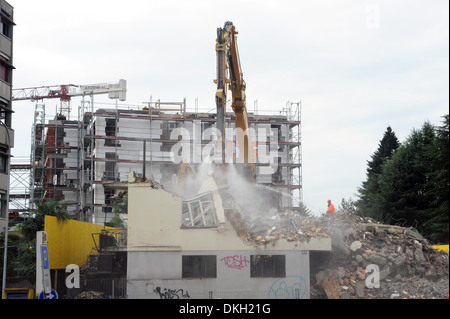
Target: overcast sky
<point x="356" y="66"/>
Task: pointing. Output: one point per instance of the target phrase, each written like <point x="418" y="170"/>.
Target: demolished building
<point x="202" y="248"/>
<point x="208" y="247"/>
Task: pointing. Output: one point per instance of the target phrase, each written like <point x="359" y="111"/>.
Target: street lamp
<point x="8" y="167"/>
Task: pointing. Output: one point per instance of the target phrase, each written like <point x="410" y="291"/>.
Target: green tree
<point x="26" y="260"/>
<point x="347" y="206"/>
<point x="120" y="207"/>
<point x="410" y="186"/>
<point x="406" y="196"/>
<point x="304" y="210"/>
<point x="22" y="245"/>
<point x="14" y="253"/>
<point x="436" y="224"/>
<point x="36" y="221"/>
<point x="369" y="202"/>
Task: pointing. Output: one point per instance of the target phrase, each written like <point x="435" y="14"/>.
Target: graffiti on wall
<point x="172" y="293"/>
<point x="236" y="261"/>
<point x="291" y="287"/>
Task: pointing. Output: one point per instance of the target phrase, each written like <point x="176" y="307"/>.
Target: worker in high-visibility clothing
<point x="331" y="209"/>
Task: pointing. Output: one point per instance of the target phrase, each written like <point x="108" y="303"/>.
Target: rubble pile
<point x="407" y="265"/>
<point x="89" y="294"/>
<point x="287" y="225"/>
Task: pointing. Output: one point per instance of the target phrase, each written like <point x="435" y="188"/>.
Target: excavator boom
<point x="230" y="76"/>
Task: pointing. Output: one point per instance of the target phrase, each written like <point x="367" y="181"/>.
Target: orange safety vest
<point x="331" y="209"/>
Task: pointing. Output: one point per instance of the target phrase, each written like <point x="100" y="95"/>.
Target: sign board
<point x="51" y="295"/>
<point x="44" y="252"/>
<point x="46" y="279"/>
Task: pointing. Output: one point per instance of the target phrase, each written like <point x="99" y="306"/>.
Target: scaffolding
<point x="293" y="114"/>
<point x="19" y="186"/>
<point x="37" y="155"/>
<point x="84" y="163"/>
<point x="56" y="145"/>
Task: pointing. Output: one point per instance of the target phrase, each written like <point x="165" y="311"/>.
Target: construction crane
<point x="230" y="76"/>
<point x="66" y="91"/>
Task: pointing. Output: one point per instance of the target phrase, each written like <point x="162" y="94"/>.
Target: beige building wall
<point x="154" y="224"/>
<point x="158" y="244"/>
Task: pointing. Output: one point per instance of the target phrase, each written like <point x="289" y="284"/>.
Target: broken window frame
<point x="199" y="212"/>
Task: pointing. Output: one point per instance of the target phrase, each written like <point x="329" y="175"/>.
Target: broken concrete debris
<point x="287" y="225"/>
<point x="332" y="289"/>
<point x="408" y="266"/>
<point x="89" y="294"/>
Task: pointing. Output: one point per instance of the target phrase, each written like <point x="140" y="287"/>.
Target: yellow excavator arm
<point x="184" y="170"/>
<point x="230" y="76"/>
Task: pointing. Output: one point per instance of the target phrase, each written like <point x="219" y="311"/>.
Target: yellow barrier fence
<point x="441" y="247"/>
<point x="71" y="241"/>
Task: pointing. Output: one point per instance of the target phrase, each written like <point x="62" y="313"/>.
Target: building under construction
<point x="84" y="163"/>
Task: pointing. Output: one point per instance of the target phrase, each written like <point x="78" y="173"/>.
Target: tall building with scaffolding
<point x="84" y="163"/>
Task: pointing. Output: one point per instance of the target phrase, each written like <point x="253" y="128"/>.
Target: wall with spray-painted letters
<point x="163" y="271"/>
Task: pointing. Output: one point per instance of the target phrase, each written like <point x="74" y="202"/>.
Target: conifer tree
<point x="369" y="203"/>
<point x="436" y="224"/>
<point x="407" y="184"/>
